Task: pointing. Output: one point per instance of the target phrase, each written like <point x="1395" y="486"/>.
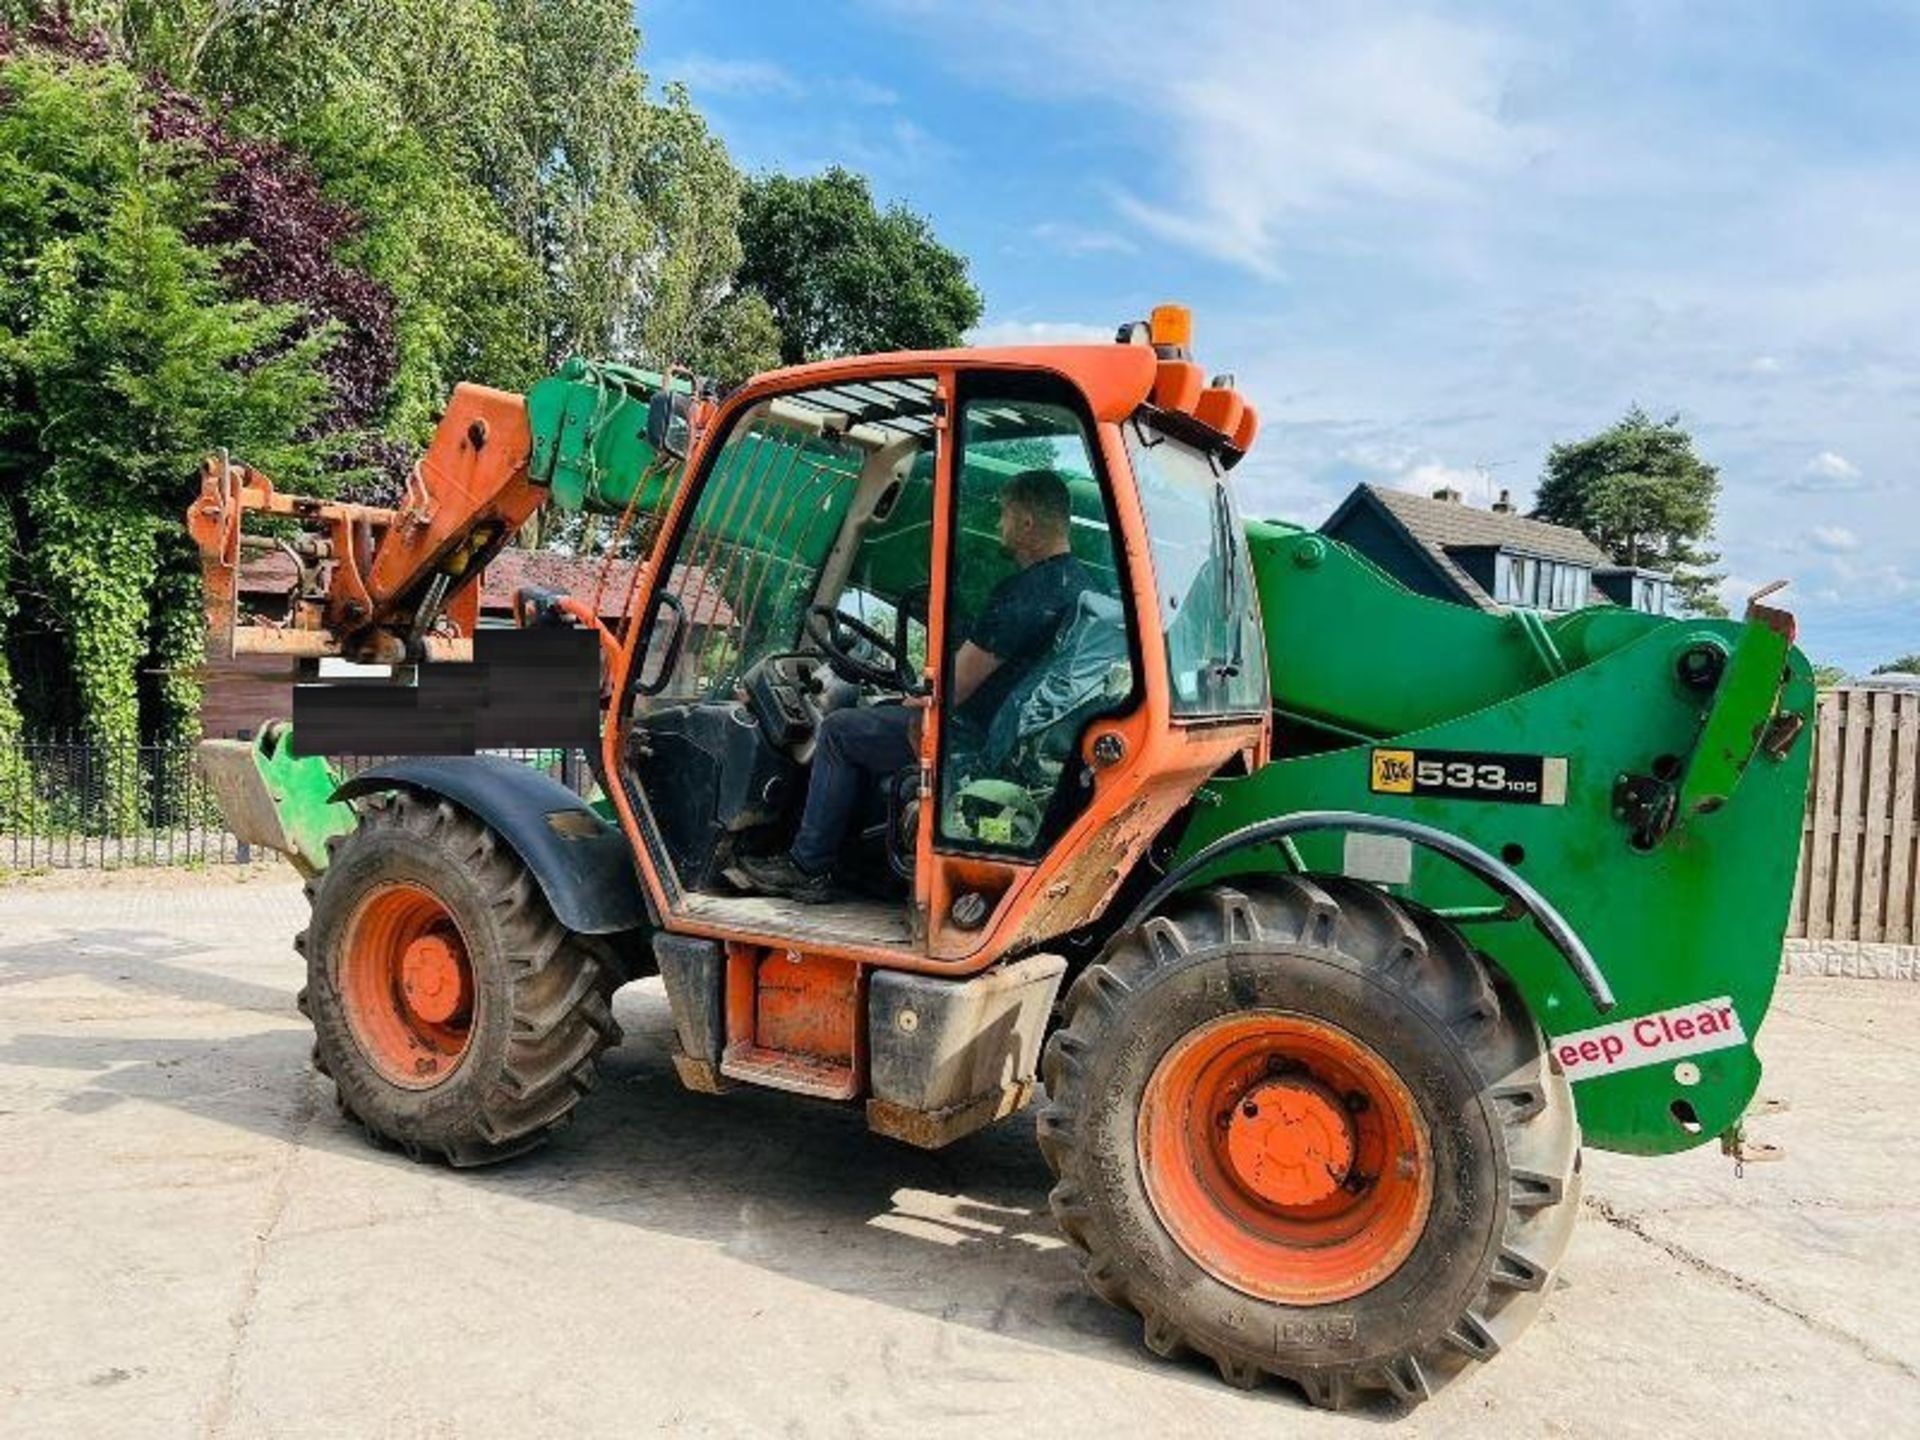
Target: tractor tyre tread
<point x="507" y="1095"/>
<point x="1364" y="934"/>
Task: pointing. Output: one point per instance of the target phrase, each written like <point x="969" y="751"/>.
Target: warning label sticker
<point x="1691" y="1029"/>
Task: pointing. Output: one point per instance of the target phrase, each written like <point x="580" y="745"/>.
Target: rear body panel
<point x="1687" y="930"/>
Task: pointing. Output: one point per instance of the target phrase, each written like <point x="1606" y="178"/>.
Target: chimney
<point x="1448" y="494"/>
<point x="1504" y="505"/>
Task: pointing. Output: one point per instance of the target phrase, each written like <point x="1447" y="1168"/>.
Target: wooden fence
<point x="1859" y="872"/>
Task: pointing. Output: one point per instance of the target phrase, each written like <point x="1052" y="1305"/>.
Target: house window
<point x="1539" y="584"/>
<point x="1650" y="595"/>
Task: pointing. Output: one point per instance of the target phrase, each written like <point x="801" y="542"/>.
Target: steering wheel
<point x="835" y="632"/>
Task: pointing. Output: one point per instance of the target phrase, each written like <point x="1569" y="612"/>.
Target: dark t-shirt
<point x="1021" y="618"/>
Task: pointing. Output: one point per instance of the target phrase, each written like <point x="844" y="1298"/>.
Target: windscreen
<point x="1216" y="652"/>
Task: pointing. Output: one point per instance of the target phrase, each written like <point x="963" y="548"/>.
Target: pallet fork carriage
<point x="1323" y="922"/>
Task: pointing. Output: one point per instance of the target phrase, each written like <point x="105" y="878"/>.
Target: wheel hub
<point x="1289" y="1142"/>
<point x="1285" y="1156"/>
<point x="406" y="984"/>
<point x="433" y="979"/>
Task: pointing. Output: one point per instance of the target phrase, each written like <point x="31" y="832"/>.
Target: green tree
<point x="526" y="196"/>
<point x="1902" y="665"/>
<point x="844" y="277"/>
<point x="122" y="357"/>
<point x="463" y="286"/>
<point x="1825" y="677"/>
<point x="1643" y="495"/>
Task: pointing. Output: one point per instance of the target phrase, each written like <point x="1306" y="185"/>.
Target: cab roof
<point x="1116" y="379"/>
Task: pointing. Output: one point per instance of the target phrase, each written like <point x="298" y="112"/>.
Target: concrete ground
<point x="193" y="1243"/>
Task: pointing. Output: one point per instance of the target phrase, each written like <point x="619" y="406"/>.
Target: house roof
<point x="274" y="574"/>
<point x="580" y="577"/>
<point x="1439" y="527"/>
<point x="269" y="573"/>
<point x="577" y="575"/>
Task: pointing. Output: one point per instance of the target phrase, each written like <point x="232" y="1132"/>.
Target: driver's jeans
<point x="850" y="748"/>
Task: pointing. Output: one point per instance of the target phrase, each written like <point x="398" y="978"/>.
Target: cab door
<point x="771" y="528"/>
<point x="1037" y="644"/>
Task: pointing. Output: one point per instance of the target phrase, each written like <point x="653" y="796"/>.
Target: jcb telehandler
<point x="1329" y="917"/>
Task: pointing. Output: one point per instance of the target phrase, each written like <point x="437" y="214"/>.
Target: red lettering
<point x="1646" y="1033"/>
<point x="1569" y="1057"/>
<point x="1589" y="1050"/>
<point x="1613" y="1047"/>
<point x="1683" y="1029"/>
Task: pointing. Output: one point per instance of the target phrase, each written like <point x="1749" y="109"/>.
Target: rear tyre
<point x="455" y="1015"/>
<point x="1306" y="1132"/>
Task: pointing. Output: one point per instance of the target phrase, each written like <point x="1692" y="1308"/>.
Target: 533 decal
<point x="1471" y="775"/>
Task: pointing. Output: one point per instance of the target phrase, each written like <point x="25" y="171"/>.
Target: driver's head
<point x="1034" y="516"/>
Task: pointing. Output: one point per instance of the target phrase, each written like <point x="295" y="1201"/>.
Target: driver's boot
<point x="778" y="875"/>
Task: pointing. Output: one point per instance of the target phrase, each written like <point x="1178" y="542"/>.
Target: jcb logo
<point x="1393" y="772"/>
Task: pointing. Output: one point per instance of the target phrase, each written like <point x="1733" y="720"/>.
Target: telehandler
<point x="1328" y="919"/>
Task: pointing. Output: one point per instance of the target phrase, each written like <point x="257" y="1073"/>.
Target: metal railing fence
<point x="68" y="802"/>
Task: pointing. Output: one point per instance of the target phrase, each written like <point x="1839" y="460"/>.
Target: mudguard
<point x="583" y="865"/>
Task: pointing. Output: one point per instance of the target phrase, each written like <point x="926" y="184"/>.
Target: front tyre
<point x="1306" y="1132"/>
<point x="455" y="1015"/>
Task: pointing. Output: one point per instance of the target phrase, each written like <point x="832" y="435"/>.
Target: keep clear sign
<point x="1691" y="1029"/>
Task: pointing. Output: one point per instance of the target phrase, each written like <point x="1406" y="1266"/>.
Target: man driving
<point x="864" y="744"/>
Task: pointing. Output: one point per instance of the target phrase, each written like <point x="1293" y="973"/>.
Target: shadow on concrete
<point x="799" y="1188"/>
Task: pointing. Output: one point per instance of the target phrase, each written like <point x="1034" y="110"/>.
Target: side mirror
<point x="668" y="426"/>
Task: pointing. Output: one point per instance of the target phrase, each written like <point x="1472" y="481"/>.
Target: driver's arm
<point x="971" y="667"/>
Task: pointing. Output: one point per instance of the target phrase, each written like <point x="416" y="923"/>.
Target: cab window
<point x="1039" y="643"/>
<point x="742" y="575"/>
<point x="1215" y="649"/>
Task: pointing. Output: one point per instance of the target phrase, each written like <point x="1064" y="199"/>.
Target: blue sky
<point x="1430" y="240"/>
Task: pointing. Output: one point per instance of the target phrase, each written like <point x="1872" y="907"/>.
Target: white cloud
<point x="1383" y="456"/>
<point x="1278" y="124"/>
<point x="1269" y="116"/>
<point x="1432" y="476"/>
<point x="1039" y="332"/>
<point x="1832" y="472"/>
<point x="1073" y="239"/>
<point x="711" y="75"/>
<point x="1402" y="466"/>
<point x="1736" y="590"/>
<point x="1833" y="539"/>
<point x="1871" y="584"/>
<point x="1531" y="216"/>
<point x="865" y="92"/>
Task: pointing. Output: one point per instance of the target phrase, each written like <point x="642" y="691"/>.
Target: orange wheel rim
<point x="406" y="983"/>
<point x="1285" y="1157"/>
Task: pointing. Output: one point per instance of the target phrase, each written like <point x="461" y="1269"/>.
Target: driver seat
<point x="1088" y="670"/>
<point x="1012" y="781"/>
